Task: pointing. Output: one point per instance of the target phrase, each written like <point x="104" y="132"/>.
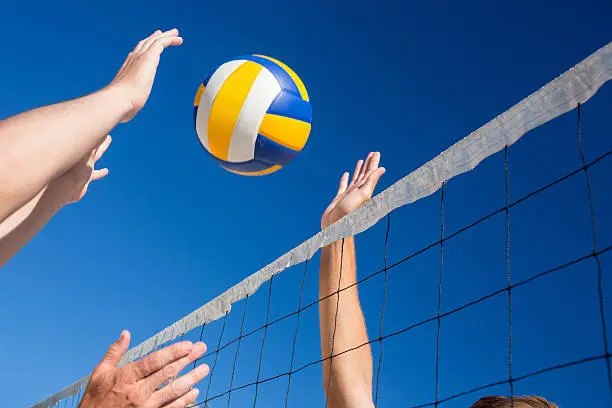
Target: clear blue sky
<point x="168" y="230"/>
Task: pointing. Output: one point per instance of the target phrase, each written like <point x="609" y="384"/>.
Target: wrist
<point x="53" y="199"/>
<point x="331" y="218"/>
<point x="118" y="98"/>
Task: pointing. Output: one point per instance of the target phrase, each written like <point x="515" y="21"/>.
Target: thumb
<point x="343" y="183"/>
<point x="117" y="350"/>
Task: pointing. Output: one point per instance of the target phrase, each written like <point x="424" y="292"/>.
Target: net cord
<point x="604" y="330"/>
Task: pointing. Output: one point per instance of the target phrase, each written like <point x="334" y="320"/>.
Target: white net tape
<point x="559" y="96"/>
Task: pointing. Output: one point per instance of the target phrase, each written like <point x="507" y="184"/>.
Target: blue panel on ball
<point x="288" y="105"/>
<point x="271" y="152"/>
<point x="246" y="167"/>
<point x="281" y="75"/>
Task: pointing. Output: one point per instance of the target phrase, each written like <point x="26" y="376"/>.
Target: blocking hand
<point x="138" y="385"/>
<point x="136" y="76"/>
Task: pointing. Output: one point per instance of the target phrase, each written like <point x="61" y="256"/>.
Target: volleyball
<point x="252" y="115"/>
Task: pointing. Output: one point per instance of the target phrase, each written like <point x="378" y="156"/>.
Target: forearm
<point x="351" y="372"/>
<point x="21" y="226"/>
<point x="37" y="145"/>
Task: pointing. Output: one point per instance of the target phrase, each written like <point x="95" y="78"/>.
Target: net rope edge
<point x="561" y="95"/>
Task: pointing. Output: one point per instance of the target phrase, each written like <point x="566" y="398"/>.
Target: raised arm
<point x="21" y="226"/>
<point x="347" y="378"/>
<point x="41" y="144"/>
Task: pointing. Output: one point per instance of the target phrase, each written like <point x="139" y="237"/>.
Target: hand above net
<point x="136" y="76"/>
<point x="348" y="382"/>
<point x="37" y="145"/>
<point x="354" y="195"/>
<point x="139" y="384"/>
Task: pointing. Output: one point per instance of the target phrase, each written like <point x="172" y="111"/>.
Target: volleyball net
<point x="477" y="288"/>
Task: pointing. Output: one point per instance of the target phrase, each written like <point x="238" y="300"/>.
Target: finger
<point x="147" y="43"/>
<point x="371" y="164"/>
<point x="186" y="400"/>
<point x="170" y="371"/>
<point x="180" y="386"/>
<point x="159" y="359"/>
<point x="343" y="183"/>
<point x="161" y="44"/>
<point x="103" y="147"/>
<point x="372" y="180"/>
<point x="99" y="174"/>
<point x="161" y="38"/>
<point x="141" y="44"/>
<point x="363" y="169"/>
<point x="374" y="162"/>
<point x="117" y="350"/>
<point x="356" y="172"/>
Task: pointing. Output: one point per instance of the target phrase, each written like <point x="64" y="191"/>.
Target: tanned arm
<point x="39" y="145"/>
<point x="21" y="226"/>
<point x="347" y="378"/>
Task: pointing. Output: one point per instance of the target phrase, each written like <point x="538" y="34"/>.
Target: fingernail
<point x="199" y="348"/>
<point x="202" y="369"/>
<point x="195" y="392"/>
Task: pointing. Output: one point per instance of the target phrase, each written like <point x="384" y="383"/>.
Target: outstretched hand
<point x="353" y="195"/>
<point x="147" y="383"/>
<point x="136" y="76"/>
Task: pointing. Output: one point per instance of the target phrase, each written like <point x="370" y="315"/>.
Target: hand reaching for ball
<point x="353" y="195"/>
<point x="135" y="78"/>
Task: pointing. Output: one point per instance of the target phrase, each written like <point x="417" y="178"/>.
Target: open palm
<point x="353" y="195"/>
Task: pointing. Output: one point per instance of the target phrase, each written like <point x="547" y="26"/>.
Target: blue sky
<point x="168" y="230"/>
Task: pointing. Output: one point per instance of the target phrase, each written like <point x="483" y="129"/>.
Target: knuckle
<point x="151" y="55"/>
<point x="168" y="371"/>
<point x="151" y="363"/>
<point x="175" y="389"/>
<point x="197" y="375"/>
<point x="112" y="350"/>
<point x="123" y="379"/>
<point x="183" y="401"/>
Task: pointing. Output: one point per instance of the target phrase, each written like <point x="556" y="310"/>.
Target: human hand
<point x="137" y="385"/>
<point x="72" y="185"/>
<point x="136" y="76"/>
<point x="354" y="195"/>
